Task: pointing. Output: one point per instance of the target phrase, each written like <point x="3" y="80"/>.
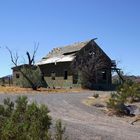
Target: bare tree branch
<point x="14" y="58"/>
<point x="31" y="60"/>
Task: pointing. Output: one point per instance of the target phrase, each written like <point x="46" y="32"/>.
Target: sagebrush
<point x="24" y="121"/>
<point x="128" y="92"/>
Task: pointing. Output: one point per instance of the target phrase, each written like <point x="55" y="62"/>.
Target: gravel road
<point x="83" y="122"/>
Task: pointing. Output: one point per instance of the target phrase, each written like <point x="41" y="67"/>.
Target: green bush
<point x="128" y="92"/>
<point x="23" y="121"/>
<point x="60" y="130"/>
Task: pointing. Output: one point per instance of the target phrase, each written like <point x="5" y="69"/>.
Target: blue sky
<point x="54" y="23"/>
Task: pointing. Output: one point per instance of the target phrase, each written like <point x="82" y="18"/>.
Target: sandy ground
<point x="83" y="122"/>
<point x="19" y="90"/>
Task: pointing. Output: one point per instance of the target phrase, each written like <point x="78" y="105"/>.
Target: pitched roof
<point x="23" y="66"/>
<point x="62" y="54"/>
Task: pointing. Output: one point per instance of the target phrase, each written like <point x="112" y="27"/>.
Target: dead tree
<point x="31" y="61"/>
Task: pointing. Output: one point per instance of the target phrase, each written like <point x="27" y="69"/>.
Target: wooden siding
<point x="59" y="70"/>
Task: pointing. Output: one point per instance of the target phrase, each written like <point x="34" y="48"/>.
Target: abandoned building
<point x="81" y="64"/>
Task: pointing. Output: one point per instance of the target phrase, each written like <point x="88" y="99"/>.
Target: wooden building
<point x="80" y="64"/>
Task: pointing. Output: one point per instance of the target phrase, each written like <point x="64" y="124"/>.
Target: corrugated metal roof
<point x="56" y="60"/>
<point x="62" y="54"/>
<point x="66" y="49"/>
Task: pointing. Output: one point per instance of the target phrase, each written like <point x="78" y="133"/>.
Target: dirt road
<point x="83" y="122"/>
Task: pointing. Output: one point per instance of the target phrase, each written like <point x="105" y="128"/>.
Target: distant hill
<point x="133" y="78"/>
<point x="130" y="77"/>
<point x="6" y="80"/>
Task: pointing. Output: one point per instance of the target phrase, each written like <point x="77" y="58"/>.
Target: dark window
<point x="75" y="78"/>
<point x="65" y="74"/>
<point x="91" y="53"/>
<point x="53" y="75"/>
<point x="17" y="75"/>
<point x="42" y="76"/>
<point x="104" y="75"/>
<point x="68" y="53"/>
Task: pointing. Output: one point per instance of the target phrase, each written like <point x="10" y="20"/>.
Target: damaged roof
<point x="62" y="54"/>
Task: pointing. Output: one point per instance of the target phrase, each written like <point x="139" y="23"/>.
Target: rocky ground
<point x="84" y="122"/>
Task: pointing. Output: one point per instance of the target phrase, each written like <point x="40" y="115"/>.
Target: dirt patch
<point x="101" y="100"/>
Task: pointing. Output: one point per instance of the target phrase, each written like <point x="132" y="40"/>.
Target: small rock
<point x="99" y="105"/>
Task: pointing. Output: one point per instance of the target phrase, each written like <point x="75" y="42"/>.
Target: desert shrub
<point x="60" y="130"/>
<point x="112" y="101"/>
<point x="24" y="121"/>
<point x="95" y="95"/>
<point x="116" y="104"/>
<point x="127" y="92"/>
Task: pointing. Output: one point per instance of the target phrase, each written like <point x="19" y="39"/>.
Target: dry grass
<point x="100" y="102"/>
<point x="102" y="99"/>
<point x="14" y="89"/>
